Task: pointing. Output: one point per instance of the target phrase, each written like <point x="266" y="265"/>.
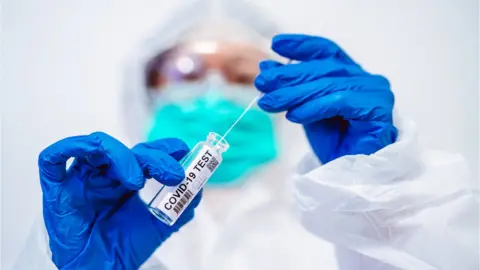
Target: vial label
<point x="196" y="174"/>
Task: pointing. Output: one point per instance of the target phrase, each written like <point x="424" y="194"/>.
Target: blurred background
<point x="63" y="64"/>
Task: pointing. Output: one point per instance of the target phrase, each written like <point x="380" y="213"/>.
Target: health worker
<point x="365" y="195"/>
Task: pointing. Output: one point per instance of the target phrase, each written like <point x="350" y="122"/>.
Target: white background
<point x="62" y="63"/>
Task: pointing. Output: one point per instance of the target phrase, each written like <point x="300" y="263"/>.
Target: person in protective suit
<point x="366" y="195"/>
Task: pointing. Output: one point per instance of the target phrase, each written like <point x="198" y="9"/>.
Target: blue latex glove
<point x="344" y="109"/>
<point x="92" y="211"/>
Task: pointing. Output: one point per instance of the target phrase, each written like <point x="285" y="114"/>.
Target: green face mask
<point x="252" y="141"/>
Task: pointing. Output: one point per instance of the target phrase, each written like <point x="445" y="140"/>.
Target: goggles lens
<point x="238" y="64"/>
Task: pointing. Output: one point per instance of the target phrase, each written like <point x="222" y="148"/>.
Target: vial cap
<point x="217" y="141"/>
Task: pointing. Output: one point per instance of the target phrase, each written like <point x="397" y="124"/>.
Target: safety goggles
<point x="192" y="63"/>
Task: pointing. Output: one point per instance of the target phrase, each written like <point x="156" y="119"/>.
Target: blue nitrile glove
<point x="92" y="211"/>
<point x="344" y="109"/>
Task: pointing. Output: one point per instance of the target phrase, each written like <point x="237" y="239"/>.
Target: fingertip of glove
<point x="130" y="175"/>
<point x="174" y="147"/>
<point x="57" y="151"/>
<point x="105" y="143"/>
<point x="98" y="137"/>
<point x="135" y="182"/>
<point x="171" y="181"/>
<point x="198" y="198"/>
<point x="265" y="103"/>
<point x="177" y="144"/>
<point x="293" y="117"/>
<point x="175" y="174"/>
<point x="45" y="157"/>
<point x="260" y="82"/>
<point x="283" y="42"/>
<point x="279" y="43"/>
<point x="282" y="39"/>
<point x="268" y="64"/>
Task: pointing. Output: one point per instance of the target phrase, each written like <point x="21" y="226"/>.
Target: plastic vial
<point x="199" y="164"/>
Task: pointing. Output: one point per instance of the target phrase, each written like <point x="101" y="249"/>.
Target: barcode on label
<point x="212" y="164"/>
<point x="183" y="201"/>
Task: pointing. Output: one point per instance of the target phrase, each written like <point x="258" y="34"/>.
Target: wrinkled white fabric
<point x="36" y="254"/>
<point x="399" y="208"/>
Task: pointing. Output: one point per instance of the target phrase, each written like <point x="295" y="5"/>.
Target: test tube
<point x="199" y="165"/>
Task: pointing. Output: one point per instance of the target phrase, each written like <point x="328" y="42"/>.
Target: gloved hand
<point x="343" y="109"/>
<point x="92" y="211"/>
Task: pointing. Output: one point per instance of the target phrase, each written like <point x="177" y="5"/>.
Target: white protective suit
<point x="400" y="208"/>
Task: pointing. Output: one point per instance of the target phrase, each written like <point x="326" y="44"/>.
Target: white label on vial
<point x="196" y="174"/>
